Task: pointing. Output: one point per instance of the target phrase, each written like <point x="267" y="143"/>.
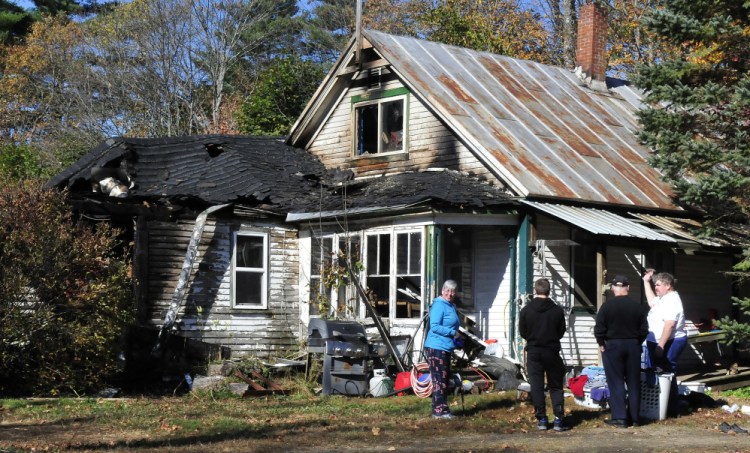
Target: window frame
<point x="380" y="99"/>
<point x="393" y="273"/>
<point x="335" y="295"/>
<point x="264" y="271"/>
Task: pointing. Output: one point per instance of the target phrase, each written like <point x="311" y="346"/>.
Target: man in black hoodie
<point x="542" y="325"/>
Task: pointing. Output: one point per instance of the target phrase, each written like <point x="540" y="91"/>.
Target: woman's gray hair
<point x="450" y="284"/>
<point x="665" y="277"/>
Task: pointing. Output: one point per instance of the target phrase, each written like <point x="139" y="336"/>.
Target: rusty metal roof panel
<point x="597" y="221"/>
<point x="540" y="128"/>
<point x="731" y="235"/>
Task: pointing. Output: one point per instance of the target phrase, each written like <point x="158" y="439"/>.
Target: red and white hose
<point x="423" y="388"/>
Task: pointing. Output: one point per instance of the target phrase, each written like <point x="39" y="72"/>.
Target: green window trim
<point x="381" y="94"/>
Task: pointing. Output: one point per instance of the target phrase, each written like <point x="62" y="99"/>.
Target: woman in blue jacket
<point x="438" y="346"/>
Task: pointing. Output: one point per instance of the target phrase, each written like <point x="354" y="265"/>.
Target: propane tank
<point x="380" y="384"/>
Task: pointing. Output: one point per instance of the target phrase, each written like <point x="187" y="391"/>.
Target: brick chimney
<point x="591" y="48"/>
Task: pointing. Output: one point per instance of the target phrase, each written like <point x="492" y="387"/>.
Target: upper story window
<point x="250" y="270"/>
<point x="380" y="124"/>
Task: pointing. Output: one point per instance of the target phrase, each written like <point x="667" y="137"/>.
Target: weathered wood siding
<point x="555" y="263"/>
<point x="207" y="312"/>
<point x="430" y="143"/>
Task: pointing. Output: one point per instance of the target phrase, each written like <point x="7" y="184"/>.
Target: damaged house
<point x="421" y="162"/>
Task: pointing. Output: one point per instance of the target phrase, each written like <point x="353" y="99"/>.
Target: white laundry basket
<point x="654" y="399"/>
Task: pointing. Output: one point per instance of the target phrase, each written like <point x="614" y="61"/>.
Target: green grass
<point x="213" y="418"/>
<point x="743" y="393"/>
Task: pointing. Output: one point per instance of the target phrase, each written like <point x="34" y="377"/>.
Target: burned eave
<point x="194" y="173"/>
<point x="404" y="193"/>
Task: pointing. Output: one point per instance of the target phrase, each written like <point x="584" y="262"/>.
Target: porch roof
<point x="682" y="232"/>
<point x="598" y="221"/>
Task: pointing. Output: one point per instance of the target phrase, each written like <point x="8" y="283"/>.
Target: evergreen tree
<point x="698" y="125"/>
<point x="15" y="22"/>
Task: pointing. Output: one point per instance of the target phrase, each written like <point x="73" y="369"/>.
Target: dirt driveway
<point x="400" y="425"/>
<point x="423" y="436"/>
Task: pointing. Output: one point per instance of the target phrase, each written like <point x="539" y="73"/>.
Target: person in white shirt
<point x="667" y="336"/>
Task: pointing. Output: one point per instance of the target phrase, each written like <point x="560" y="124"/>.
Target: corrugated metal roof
<point x="597" y="221"/>
<point x="538" y="126"/>
<point x="727" y="236"/>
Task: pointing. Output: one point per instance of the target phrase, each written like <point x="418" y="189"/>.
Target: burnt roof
<point x="260" y="172"/>
<point x="439" y="187"/>
<point x="209" y="168"/>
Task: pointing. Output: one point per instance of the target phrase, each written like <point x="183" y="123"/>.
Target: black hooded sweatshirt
<point x="542" y="325"/>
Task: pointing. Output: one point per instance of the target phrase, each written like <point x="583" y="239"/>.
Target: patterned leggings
<point x="440" y="368"/>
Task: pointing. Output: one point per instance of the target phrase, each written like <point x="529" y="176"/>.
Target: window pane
<point x="249" y="251"/>
<point x="314" y="293"/>
<point x="367" y="129"/>
<point x="415" y="254"/>
<point x="372" y="254"/>
<point x="379" y="286"/>
<point x="402" y="254"/>
<point x="408" y="297"/>
<point x="393" y="125"/>
<point x="385" y="254"/>
<point x="249" y="287"/>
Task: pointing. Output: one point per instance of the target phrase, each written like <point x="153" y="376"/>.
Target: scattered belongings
<point x="260" y="385"/>
<point x="733" y="428"/>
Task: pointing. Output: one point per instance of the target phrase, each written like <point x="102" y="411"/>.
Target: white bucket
<point x="381" y="385"/>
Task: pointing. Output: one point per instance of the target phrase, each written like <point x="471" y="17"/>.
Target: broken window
<point x="326" y="267"/>
<point x="250" y="263"/>
<point x="322" y="249"/>
<point x="380" y="126"/>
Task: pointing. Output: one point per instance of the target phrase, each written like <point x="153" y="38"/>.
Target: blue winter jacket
<point x="444" y="324"/>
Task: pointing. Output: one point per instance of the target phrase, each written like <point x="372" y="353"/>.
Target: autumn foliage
<point x="64" y="298"/>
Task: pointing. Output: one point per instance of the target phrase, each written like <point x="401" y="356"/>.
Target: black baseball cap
<point x="620" y="280"/>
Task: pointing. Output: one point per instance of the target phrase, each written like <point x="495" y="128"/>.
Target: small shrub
<point x="64" y="296"/>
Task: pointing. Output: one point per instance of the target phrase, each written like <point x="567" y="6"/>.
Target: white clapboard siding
<point x="206" y="312"/>
<point x="554" y="262"/>
<point x="492" y="286"/>
<point x="579" y="345"/>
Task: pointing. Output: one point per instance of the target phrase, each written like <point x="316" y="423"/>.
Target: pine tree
<point x="698" y="125"/>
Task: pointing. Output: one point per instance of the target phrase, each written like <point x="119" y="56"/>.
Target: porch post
<point x="433" y="273"/>
<point x="525" y="278"/>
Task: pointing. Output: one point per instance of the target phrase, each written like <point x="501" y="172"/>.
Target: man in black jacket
<point x="542" y="325"/>
<point x="621" y="326"/>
